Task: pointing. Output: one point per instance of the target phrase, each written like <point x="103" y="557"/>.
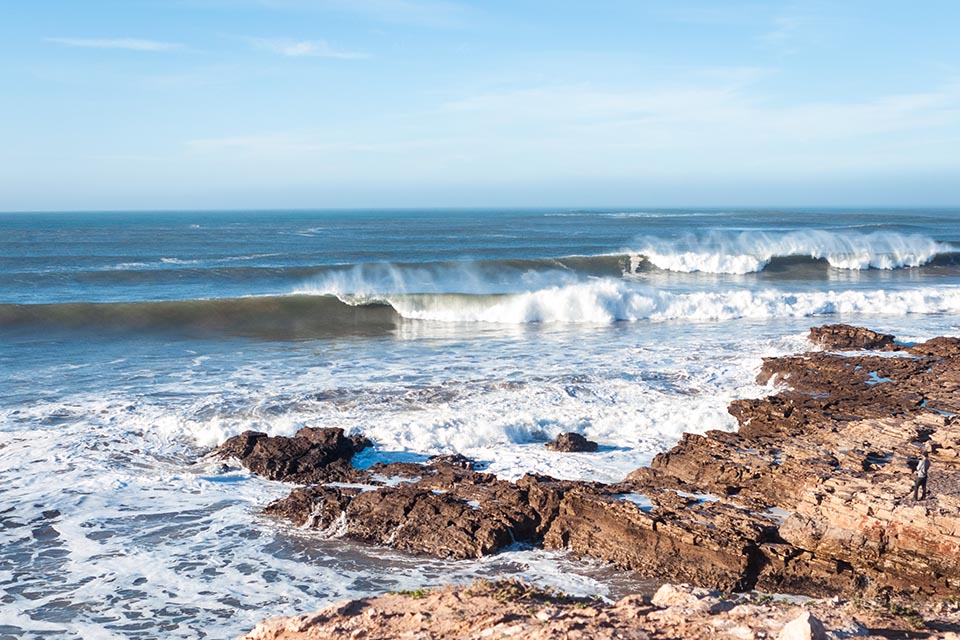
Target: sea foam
<point x="751" y="251"/>
<point x="606" y="301"/>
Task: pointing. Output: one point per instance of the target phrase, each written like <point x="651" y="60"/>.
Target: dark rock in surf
<point x="311" y="456"/>
<point x="457" y="460"/>
<point x="572" y="443"/>
<point x="449" y="512"/>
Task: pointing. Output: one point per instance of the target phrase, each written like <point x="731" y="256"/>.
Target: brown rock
<point x="511" y="609"/>
<point x="709" y="544"/>
<point x="311" y="456"/>
<point x="690" y="598"/>
<point x="454" y="460"/>
<point x="828" y="458"/>
<point x="809" y="496"/>
<point x="571" y="442"/>
<point x="843" y="337"/>
<point x="937" y="347"/>
<point x="451" y="512"/>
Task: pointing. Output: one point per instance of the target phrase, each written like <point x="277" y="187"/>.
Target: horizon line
<point x="410" y="208"/>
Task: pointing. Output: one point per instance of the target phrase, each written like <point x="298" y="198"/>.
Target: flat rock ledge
<point x="511" y="609"/>
<point x="809" y="496"/>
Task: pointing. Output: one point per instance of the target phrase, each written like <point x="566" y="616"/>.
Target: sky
<point x="221" y="104"/>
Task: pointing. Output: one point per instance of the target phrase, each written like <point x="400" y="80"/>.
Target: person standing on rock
<point x="923" y="466"/>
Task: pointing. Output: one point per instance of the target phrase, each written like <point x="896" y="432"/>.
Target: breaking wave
<point x="611" y="301"/>
<point x="752" y="251"/>
<point x="602" y="301"/>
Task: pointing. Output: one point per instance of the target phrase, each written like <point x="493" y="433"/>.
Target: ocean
<point x="131" y="344"/>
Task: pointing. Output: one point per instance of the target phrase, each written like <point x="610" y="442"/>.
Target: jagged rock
<point x="843" y="337"/>
<point x="504" y="609"/>
<point x="316" y="507"/>
<point x="829" y="458"/>
<point x="706" y="544"/>
<point x="941" y="347"/>
<point x="454" y="460"/>
<point x="809" y="496"/>
<point x="571" y="443"/>
<point x="453" y="513"/>
<point x="311" y="456"/>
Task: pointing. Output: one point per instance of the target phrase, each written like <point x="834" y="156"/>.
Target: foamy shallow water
<point x="116" y="525"/>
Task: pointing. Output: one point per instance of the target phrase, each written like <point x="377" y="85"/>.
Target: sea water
<point x="131" y="344"/>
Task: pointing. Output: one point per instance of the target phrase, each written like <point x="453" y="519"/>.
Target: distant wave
<point x="485" y="275"/>
<point x="804" y="253"/>
<point x="752" y="251"/>
<point x="270" y="317"/>
<point x="635" y="214"/>
<point x="602" y="301"/>
<point x="716" y="253"/>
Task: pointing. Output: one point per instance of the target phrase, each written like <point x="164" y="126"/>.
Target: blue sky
<point x="152" y="104"/>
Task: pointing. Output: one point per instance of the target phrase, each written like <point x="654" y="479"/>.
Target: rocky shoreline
<point x="511" y="609"/>
<point x="809" y="496"/>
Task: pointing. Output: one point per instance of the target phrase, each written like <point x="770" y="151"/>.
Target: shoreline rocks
<point x="512" y="609"/>
<point x="843" y="337"/>
<point x="311" y="456"/>
<point x="809" y="496"/>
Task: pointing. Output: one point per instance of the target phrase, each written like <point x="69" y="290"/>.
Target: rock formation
<point x="828" y="460"/>
<point x="448" y="512"/>
<point x="572" y="442"/>
<point x="843" y="337"/>
<point x="511" y="609"/>
<point x="809" y="496"/>
<point x="312" y="455"/>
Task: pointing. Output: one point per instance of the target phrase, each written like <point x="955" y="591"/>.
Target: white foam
<point x="751" y="251"/>
<point x="690" y="261"/>
<point x="367" y="283"/>
<point x="179" y="261"/>
<point x="607" y="300"/>
<point x="148" y="535"/>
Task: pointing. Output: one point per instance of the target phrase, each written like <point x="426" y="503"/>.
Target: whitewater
<point x="134" y="343"/>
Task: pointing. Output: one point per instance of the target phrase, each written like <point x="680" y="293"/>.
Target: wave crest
<point x="608" y="301"/>
<point x="749" y="252"/>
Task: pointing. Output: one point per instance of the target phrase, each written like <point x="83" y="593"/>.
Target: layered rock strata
<point x="829" y="459"/>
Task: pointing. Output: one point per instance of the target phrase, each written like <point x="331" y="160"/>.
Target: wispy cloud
<point x="130" y="44"/>
<point x="304" y="48"/>
<point x="441" y="14"/>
